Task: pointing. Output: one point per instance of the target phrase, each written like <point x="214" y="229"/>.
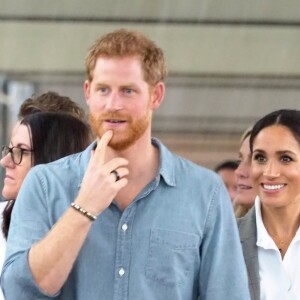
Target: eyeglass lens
<point x="16" y="153"/>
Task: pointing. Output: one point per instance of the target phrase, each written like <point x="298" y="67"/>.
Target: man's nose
<point x="114" y="101"/>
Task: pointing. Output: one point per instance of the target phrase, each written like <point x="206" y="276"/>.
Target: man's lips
<point x="115" y="121"/>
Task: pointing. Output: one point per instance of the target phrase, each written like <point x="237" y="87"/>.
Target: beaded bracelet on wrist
<point x="83" y="211"/>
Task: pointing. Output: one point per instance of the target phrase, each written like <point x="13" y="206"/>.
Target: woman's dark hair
<point x="290" y="118"/>
<point x="53" y="136"/>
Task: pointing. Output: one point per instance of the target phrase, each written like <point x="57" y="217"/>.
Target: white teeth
<point x="273" y="187"/>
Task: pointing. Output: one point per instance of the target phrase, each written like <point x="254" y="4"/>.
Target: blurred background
<point x="230" y="62"/>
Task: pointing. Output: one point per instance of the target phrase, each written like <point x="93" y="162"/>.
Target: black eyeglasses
<point x="15" y="152"/>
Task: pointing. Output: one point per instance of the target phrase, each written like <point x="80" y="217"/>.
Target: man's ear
<point x="157" y="95"/>
<point x="87" y="86"/>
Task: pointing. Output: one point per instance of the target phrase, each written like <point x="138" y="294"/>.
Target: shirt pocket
<point x="171" y="256"/>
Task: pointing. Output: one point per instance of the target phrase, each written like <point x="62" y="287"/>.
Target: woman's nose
<point x="6" y="161"/>
<point x="243" y="170"/>
<point x="271" y="170"/>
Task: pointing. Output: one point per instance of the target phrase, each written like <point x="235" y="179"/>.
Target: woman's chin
<point x="8" y="194"/>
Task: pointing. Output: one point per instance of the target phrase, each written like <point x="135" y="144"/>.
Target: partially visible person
<point x="245" y="194"/>
<point x="2" y="243"/>
<point x="46" y="102"/>
<point x="126" y="218"/>
<point x="38" y="138"/>
<point x="51" y="101"/>
<point x="226" y="170"/>
<point x="270" y="231"/>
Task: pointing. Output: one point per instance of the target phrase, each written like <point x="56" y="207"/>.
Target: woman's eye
<point x="286" y="159"/>
<point x="259" y="158"/>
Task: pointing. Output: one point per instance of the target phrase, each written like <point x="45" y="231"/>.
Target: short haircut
<point x="50" y="101"/>
<point x="123" y="43"/>
<point x="227" y="164"/>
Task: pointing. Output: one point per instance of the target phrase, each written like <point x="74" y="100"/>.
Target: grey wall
<point x="230" y="62"/>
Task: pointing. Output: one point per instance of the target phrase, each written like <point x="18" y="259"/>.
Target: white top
<point x="2" y="243"/>
<point x="279" y="279"/>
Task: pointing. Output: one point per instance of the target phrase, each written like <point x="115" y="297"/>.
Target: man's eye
<point x="102" y="90"/>
<point x="128" y="91"/>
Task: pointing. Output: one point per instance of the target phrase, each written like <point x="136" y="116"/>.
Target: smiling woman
<point x="271" y="229"/>
<point x="245" y="194"/>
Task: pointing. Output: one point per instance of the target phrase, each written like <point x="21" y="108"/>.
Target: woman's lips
<point x="9" y="177"/>
<point x="244" y="187"/>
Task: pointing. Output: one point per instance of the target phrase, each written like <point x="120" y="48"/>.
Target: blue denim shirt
<point x="177" y="240"/>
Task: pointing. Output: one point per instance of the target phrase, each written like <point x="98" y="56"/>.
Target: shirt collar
<point x="297" y="236"/>
<point x="263" y="238"/>
<point x="166" y="165"/>
<point x="84" y="160"/>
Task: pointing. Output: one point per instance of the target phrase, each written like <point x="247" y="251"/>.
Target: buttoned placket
<point x="123" y="248"/>
<point x="123" y="253"/>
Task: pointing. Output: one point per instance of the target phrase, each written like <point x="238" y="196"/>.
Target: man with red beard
<point x="126" y="218"/>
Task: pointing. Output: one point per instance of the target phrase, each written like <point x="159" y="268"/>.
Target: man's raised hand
<point x="102" y="180"/>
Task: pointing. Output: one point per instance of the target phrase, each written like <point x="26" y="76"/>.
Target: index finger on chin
<point x="102" y="145"/>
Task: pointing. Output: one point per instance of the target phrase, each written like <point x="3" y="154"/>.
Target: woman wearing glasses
<point x="38" y="138"/>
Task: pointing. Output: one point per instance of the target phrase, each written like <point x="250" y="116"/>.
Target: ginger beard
<point x="123" y="138"/>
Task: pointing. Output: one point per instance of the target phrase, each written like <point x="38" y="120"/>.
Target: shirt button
<point x="121" y="272"/>
<point x="124" y="227"/>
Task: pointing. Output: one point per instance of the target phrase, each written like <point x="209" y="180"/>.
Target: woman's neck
<point x="282" y="225"/>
